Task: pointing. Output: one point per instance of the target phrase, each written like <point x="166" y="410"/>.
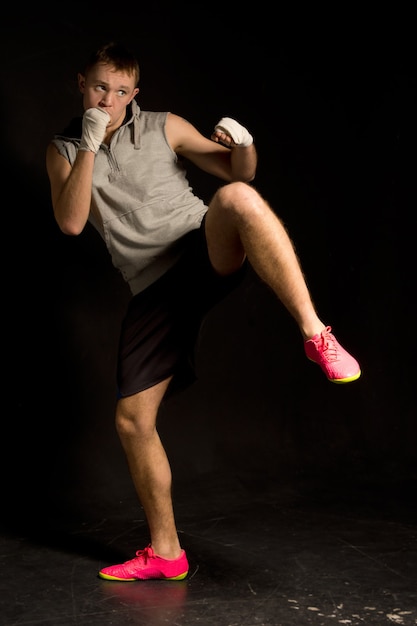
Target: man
<point x="122" y="169"/>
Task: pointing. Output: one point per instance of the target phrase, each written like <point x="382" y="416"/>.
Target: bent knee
<point x="232" y="193"/>
<point x="242" y="200"/>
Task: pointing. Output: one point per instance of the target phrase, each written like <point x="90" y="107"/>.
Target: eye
<point x="121" y="92"/>
<point x="100" y="88"/>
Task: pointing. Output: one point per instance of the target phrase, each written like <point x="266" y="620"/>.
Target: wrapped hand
<point x="240" y="135"/>
<point x="95" y="122"/>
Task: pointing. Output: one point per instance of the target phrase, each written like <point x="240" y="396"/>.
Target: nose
<point x="106" y="100"/>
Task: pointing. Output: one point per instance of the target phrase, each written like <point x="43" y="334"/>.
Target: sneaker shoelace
<point x="144" y="554"/>
<point x="328" y="344"/>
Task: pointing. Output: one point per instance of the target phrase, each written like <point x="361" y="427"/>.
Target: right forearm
<point x="72" y="207"/>
<point x="72" y="201"/>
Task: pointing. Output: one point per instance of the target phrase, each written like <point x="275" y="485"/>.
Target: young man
<point x="123" y="170"/>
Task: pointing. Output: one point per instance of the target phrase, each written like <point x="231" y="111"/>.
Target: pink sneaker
<point x="338" y="365"/>
<point x="147" y="565"/>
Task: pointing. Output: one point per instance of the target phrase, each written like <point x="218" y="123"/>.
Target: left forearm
<point x="243" y="163"/>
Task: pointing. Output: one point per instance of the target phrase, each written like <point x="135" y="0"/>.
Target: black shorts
<point x="161" y="325"/>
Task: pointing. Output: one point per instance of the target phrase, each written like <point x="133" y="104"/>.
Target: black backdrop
<point x="331" y="104"/>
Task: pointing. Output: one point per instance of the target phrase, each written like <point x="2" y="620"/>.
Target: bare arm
<point x="230" y="164"/>
<point x="71" y="185"/>
<point x="70" y="188"/>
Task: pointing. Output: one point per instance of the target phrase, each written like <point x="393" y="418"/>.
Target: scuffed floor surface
<point x="260" y="554"/>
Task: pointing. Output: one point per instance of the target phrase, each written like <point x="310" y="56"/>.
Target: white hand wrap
<point x="94" y="128"/>
<point x="240" y="135"/>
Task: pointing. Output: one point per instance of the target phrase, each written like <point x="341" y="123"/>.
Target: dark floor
<point x="260" y="553"/>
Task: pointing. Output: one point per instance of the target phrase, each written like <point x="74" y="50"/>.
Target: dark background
<point x="331" y="102"/>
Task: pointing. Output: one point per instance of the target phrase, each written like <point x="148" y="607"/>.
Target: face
<point x="108" y="89"/>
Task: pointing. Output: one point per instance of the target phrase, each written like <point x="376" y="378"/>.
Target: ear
<point x="135" y="93"/>
<point x="81" y="83"/>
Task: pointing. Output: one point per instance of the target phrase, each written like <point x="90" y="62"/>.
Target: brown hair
<point x="116" y="55"/>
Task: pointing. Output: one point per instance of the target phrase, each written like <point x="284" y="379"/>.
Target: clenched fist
<point x="95" y="122"/>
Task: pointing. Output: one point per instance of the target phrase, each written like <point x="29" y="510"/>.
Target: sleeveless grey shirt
<point x="141" y="203"/>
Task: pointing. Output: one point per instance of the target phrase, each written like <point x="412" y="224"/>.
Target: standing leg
<point x="148" y="464"/>
<point x="151" y="474"/>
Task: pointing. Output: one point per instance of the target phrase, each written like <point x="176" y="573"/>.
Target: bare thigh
<point x="227" y="219"/>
